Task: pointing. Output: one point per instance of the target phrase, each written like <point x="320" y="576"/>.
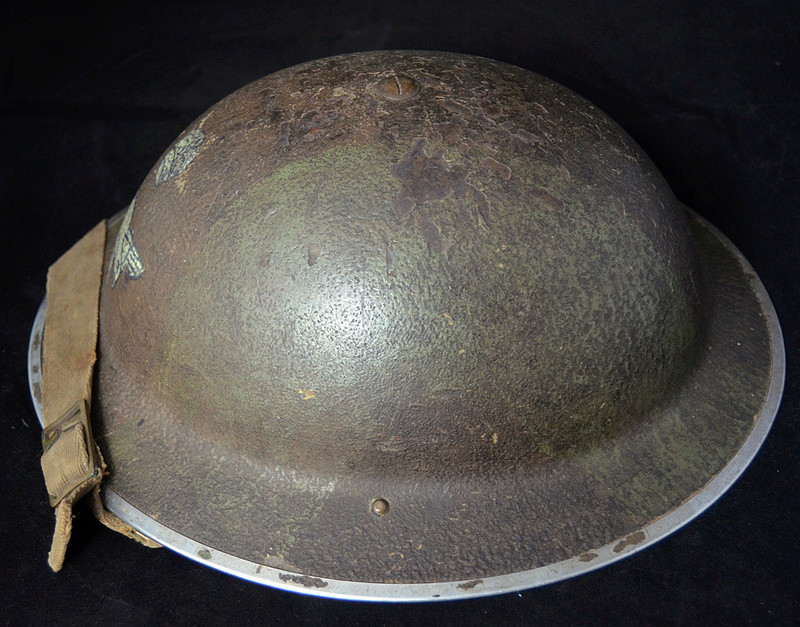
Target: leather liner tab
<point x="69" y="463"/>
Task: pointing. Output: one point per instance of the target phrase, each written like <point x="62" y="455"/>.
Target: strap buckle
<point x="69" y="460"/>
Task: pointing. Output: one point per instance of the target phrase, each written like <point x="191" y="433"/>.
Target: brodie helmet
<point x="403" y="326"/>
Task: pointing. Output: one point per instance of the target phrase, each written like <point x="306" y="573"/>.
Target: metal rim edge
<point x="442" y="591"/>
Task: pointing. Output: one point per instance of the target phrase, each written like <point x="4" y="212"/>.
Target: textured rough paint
<point x="479" y="303"/>
<point x="126" y="258"/>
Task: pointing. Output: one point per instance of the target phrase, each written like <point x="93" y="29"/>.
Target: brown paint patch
<point x="545" y="200"/>
<point x="525" y="136"/>
<point x="541" y="109"/>
<point x="303" y="580"/>
<point x="432" y="234"/>
<point x="631" y="540"/>
<point x="464" y="214"/>
<point x="284" y="138"/>
<point x="500" y="170"/>
<point x="484" y="207"/>
<point x="402" y="208"/>
<point x="428" y="178"/>
<point x="588" y="557"/>
<point x="469" y="585"/>
<point x="314" y="251"/>
<point x="455" y="107"/>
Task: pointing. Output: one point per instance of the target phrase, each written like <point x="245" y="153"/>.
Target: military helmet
<point x="406" y="325"/>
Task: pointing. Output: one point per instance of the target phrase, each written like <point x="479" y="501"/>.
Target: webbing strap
<point x="71" y="462"/>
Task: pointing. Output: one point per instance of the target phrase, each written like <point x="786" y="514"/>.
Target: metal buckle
<point x="77" y="417"/>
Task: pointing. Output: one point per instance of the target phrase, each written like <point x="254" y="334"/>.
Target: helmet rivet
<point x="380" y="507"/>
<point x="397" y="87"/>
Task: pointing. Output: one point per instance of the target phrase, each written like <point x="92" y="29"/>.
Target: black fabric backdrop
<point x="90" y="95"/>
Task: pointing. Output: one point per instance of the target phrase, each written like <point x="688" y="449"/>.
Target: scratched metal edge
<point x="442" y="591"/>
<point x="35" y="359"/>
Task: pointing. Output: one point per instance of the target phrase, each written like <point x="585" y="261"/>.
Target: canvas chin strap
<point x="71" y="462"/>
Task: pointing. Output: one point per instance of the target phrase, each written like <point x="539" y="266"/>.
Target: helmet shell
<point x="405" y="317"/>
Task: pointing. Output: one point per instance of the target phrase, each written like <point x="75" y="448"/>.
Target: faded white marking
<point x="180" y="156"/>
<point x="126" y="257"/>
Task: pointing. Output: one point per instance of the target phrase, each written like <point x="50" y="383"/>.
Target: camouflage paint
<point x="470" y="296"/>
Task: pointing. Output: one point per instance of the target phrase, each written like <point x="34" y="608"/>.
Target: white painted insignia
<point x="126" y="257"/>
<point x="180" y="156"/>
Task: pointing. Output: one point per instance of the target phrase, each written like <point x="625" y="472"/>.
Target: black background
<point x="91" y="95"/>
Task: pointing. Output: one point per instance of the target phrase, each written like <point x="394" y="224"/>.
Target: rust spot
<point x="314" y="251"/>
<point x="500" y="170"/>
<point x="204" y="553"/>
<point x="37" y="342"/>
<point x="258" y="570"/>
<point x="37" y="391"/>
<point x="449" y="318"/>
<point x="34" y="369"/>
<point x="545" y="200"/>
<point x="303" y="580"/>
<point x="469" y="585"/>
<point x="631" y="540"/>
<point x="588" y="557"/>
<point x="307" y="394"/>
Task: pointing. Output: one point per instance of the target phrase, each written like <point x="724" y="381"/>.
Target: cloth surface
<point x="69" y="355"/>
